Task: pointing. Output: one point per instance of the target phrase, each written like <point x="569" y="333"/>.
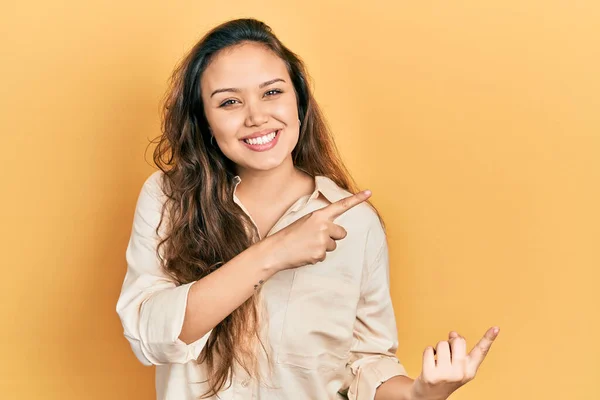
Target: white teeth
<point x="261" y="140"/>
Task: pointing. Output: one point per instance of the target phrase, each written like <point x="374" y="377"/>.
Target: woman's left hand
<point x="453" y="368"/>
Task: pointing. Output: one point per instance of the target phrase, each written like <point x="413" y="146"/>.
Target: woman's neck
<point x="264" y="187"/>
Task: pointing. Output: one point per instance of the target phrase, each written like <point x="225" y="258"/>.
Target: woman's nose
<point x="257" y="115"/>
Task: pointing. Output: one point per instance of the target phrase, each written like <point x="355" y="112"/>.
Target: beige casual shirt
<point x="330" y="326"/>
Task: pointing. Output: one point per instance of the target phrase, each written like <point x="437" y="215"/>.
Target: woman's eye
<point x="273" y="92"/>
<point x="227" y="103"/>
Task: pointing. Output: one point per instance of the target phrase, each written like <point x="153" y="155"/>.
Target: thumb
<point x="481" y="349"/>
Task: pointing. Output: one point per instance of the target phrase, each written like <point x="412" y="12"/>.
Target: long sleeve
<point x="152" y="305"/>
<point x="373" y="359"/>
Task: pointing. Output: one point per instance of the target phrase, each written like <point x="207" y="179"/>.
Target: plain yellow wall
<point x="475" y="123"/>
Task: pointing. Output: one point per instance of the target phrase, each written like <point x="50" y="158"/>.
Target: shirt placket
<point x="244" y="389"/>
<point x="244" y="386"/>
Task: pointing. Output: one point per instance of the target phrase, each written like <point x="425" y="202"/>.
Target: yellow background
<point x="475" y="123"/>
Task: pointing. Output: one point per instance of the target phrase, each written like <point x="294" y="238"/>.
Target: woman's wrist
<point x="266" y="254"/>
<point x="396" y="388"/>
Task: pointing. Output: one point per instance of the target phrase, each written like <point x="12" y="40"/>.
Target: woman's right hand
<point x="307" y="240"/>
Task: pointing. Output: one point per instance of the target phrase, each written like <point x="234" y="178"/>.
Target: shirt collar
<point x="328" y="188"/>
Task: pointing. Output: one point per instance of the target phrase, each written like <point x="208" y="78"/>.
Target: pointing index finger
<point x="336" y="209"/>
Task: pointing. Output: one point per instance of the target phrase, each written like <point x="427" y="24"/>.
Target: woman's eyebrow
<point x="235" y="90"/>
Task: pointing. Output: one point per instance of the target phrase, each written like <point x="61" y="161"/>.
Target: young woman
<point x="254" y="272"/>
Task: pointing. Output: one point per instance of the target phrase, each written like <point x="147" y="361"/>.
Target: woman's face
<point x="247" y="93"/>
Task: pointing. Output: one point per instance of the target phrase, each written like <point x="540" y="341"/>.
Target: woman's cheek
<point x="227" y="125"/>
<point x="286" y="112"/>
<point x="233" y="123"/>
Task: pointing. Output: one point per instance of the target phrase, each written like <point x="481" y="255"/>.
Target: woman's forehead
<point x="243" y="66"/>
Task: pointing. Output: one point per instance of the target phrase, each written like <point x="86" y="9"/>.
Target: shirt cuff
<point x="370" y="373"/>
<point x="161" y="321"/>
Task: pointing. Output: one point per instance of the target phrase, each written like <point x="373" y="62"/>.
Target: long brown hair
<point x="206" y="228"/>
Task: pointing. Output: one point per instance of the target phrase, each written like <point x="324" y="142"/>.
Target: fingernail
<point x="496" y="330"/>
<point x="367" y="192"/>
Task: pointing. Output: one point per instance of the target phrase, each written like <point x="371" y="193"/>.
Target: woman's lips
<point x="264" y="146"/>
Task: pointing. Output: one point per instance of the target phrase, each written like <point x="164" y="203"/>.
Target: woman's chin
<point x="265" y="166"/>
<point x="265" y="162"/>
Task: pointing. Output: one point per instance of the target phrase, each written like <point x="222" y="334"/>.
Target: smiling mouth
<point x="268" y="138"/>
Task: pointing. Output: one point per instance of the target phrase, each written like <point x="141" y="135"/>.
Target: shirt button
<point x="245" y="383"/>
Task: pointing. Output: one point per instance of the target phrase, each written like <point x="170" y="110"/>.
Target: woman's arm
<point x="226" y="289"/>
<point x="377" y="372"/>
